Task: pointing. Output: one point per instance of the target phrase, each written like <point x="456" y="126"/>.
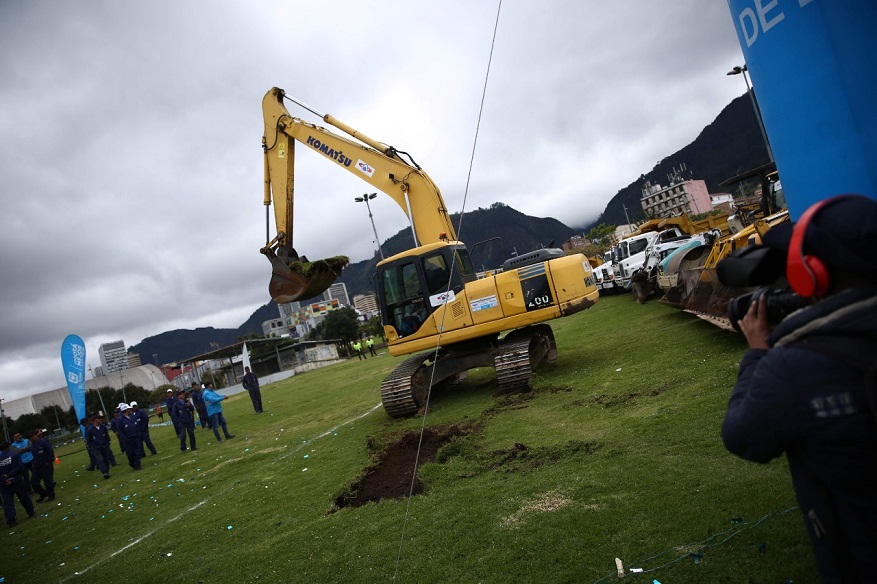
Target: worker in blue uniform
<point x="98" y="437"/>
<point x="131" y="433"/>
<point x="169" y="402"/>
<point x="12" y="484"/>
<point x="183" y="415"/>
<point x="116" y="427"/>
<point x="43" y="470"/>
<point x="142" y="419"/>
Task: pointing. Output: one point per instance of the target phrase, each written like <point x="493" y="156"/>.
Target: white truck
<point x="605" y="275"/>
<point x="630" y="254"/>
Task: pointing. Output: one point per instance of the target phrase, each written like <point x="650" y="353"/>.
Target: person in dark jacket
<point x="131" y="434"/>
<point x="251" y="384"/>
<point x="803" y="388"/>
<point x="183" y="414"/>
<point x="12" y="484"/>
<point x="85" y="423"/>
<point x="142" y="419"/>
<point x="196" y="395"/>
<point x="168" y="405"/>
<point x="116" y="427"/>
<point x="42" y="477"/>
<point x="97" y="436"/>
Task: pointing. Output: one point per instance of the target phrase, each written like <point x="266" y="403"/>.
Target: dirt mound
<point x="390" y="476"/>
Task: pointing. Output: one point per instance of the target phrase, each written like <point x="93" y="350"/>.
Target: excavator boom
<point x="293" y="277"/>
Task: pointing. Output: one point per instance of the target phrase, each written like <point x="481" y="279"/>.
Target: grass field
<point x="614" y="454"/>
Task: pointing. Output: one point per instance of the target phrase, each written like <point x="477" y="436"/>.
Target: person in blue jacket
<point x="183" y="415"/>
<point x="12" y="484"/>
<point x="43" y="471"/>
<point x="214" y="410"/>
<point x="22" y="445"/>
<point x="804" y="387"/>
<point x="131" y="433"/>
<point x="98" y="437"/>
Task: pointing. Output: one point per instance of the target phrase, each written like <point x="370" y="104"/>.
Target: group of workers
<point x="203" y="402"/>
<point x="369" y="344"/>
<point x="26" y="465"/>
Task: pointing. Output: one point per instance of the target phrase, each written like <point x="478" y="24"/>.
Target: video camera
<point x="759" y="265"/>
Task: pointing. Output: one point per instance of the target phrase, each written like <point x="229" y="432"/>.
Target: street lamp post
<point x="97" y="389"/>
<point x="365" y="199"/>
<point x="3" y="416"/>
<point x="737" y="71"/>
<point x="57" y="419"/>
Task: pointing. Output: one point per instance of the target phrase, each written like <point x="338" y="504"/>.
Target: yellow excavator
<point x="429" y="296"/>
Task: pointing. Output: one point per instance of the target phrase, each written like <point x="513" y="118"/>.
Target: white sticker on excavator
<point x="364" y="168"/>
<point x="441" y="298"/>
<point x="483" y="303"/>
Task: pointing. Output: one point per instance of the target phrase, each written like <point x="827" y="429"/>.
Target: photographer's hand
<point x="754" y="325"/>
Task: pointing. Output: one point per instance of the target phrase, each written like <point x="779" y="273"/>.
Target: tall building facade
<point x="113" y="357"/>
<point x="337" y="291"/>
<point x="367" y="304"/>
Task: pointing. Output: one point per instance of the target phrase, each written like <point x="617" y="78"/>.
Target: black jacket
<point x="806" y="396"/>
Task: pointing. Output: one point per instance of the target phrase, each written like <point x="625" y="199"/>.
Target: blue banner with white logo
<point x="814" y="72"/>
<point x="73" y="361"/>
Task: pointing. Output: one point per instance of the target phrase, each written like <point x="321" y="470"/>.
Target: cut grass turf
<point x="615" y="453"/>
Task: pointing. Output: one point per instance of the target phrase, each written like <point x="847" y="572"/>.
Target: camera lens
<point x="780" y="303"/>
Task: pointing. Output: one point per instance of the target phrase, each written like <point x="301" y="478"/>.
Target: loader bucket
<point x="709" y="297"/>
<point x="688" y="268"/>
<point x="300" y="279"/>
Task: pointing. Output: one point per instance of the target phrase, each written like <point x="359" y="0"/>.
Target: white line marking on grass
<point x="359" y="417"/>
<point x="136" y="541"/>
<point x="327" y="432"/>
<point x="190" y="509"/>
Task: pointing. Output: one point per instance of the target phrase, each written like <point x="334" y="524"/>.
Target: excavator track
<point x="517" y="358"/>
<point x="403" y="391"/>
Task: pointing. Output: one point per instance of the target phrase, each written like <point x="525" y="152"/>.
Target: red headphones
<point x="807" y="274"/>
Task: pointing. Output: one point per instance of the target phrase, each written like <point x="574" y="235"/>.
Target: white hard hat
<point x="124" y="407"/>
<point x="133" y="403"/>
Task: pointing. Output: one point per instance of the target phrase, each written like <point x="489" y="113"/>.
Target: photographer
<point x="805" y="387"/>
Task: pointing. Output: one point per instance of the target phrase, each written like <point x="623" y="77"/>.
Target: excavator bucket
<point x="299" y="279"/>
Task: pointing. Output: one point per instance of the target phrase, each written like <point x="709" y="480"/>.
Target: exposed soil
<point x="390" y="476"/>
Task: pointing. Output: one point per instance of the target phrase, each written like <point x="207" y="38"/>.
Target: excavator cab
<point x="414" y="286"/>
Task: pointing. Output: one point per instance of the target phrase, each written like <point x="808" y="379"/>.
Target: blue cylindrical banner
<point x="814" y="72"/>
<point x="73" y="361"/>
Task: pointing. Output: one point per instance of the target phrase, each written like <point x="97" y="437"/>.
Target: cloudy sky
<point x="130" y="134"/>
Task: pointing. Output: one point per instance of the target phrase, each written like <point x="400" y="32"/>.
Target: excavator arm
<point x="381" y="166"/>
